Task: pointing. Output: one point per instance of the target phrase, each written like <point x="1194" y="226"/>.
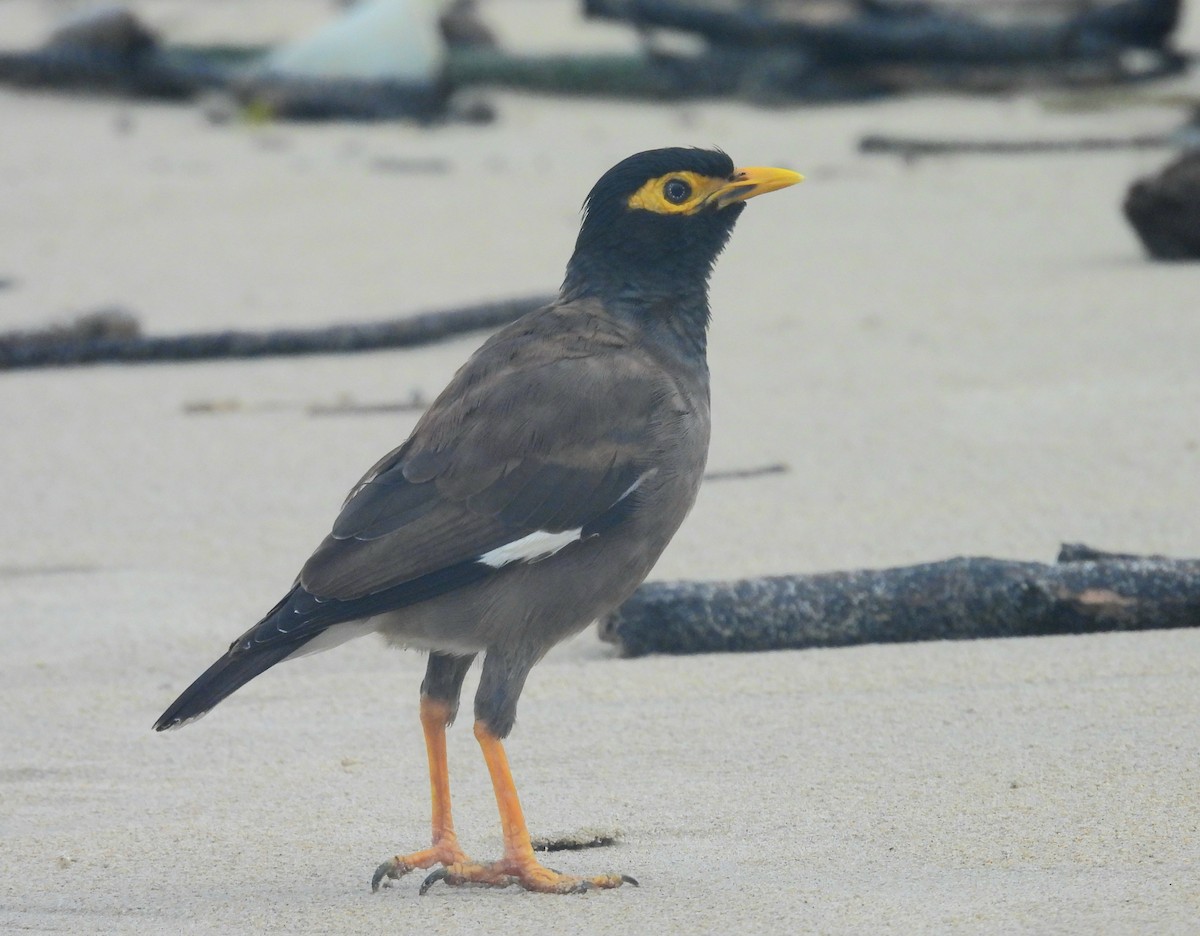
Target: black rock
<point x="1165" y="209"/>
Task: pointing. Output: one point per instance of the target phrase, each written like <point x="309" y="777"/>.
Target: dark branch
<point x="912" y="33"/>
<point x="914" y="147"/>
<point x="951" y="600"/>
<point x="62" y="348"/>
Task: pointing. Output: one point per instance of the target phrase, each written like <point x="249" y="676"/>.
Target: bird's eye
<point x="676" y="191"/>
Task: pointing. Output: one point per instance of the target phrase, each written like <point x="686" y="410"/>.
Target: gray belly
<point x="530" y="606"/>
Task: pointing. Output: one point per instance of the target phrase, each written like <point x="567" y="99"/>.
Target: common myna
<point x="535" y="494"/>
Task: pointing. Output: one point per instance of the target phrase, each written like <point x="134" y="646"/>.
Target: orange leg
<point x="444" y="849"/>
<point x="519" y="865"/>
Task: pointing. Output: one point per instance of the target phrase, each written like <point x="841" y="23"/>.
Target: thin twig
<point x="915" y="147"/>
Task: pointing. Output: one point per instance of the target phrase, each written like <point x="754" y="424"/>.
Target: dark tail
<point x="293" y="622"/>
<point x="222" y="679"/>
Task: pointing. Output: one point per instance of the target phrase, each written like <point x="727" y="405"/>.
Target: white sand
<point x="963" y="356"/>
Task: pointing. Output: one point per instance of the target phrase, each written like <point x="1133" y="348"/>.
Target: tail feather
<point x="222" y="679"/>
<point x="300" y="623"/>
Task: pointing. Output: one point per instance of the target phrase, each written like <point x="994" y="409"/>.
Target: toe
<point x="390" y="869"/>
<point x="445" y="852"/>
<point x="532" y="877"/>
<point x="441" y="874"/>
<point x="544" y="880"/>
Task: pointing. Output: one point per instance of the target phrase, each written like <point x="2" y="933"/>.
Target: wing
<point x="535" y="445"/>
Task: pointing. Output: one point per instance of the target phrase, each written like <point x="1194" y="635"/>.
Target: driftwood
<point x="1084" y="592"/>
<point x="138" y="74"/>
<point x="767" y="51"/>
<point x="910" y="32"/>
<point x="175" y="74"/>
<point x="745" y="474"/>
<point x="282" y="96"/>
<point x="416" y="403"/>
<point x="777" y="50"/>
<point x="915" y="147"/>
<point x="109" y="49"/>
<point x="62" y="347"/>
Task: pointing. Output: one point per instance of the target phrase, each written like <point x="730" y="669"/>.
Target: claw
<point x="589" y="884"/>
<point x="441" y="874"/>
<point x="391" y="869"/>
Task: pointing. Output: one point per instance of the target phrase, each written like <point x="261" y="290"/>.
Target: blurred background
<point x="949" y="340"/>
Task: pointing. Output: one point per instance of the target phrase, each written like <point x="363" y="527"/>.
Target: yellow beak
<point x="753" y="180"/>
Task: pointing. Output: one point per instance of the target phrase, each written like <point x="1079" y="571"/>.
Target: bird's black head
<point x="655" y="222"/>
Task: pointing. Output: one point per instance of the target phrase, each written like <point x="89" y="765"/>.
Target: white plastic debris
<point x="376" y="40"/>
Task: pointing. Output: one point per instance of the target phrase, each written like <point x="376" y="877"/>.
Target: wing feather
<point x="527" y="437"/>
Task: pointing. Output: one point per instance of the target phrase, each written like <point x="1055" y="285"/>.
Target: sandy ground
<point x="962" y="356"/>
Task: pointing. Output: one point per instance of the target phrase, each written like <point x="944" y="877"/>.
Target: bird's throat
<point x="675" y="320"/>
<point x="671" y="310"/>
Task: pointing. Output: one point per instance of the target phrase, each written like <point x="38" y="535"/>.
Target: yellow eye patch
<point x="676" y="193"/>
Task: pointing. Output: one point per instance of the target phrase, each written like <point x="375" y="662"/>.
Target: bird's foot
<point x="445" y="852"/>
<point x="528" y="874"/>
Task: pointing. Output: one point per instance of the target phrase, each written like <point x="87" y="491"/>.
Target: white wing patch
<point x="537" y="545"/>
<point x="636" y="484"/>
<point x="541" y="544"/>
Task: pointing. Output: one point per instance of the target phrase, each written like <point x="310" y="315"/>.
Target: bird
<point x="534" y="494"/>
